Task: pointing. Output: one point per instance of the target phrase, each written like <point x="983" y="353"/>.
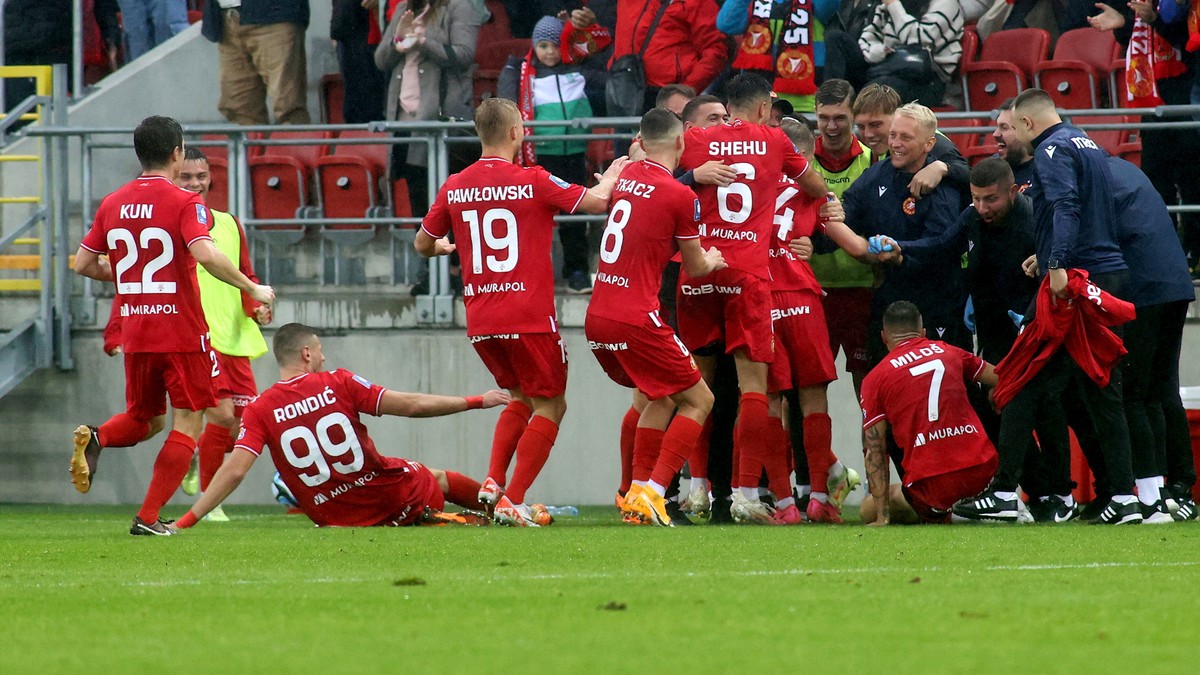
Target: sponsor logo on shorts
<point x="800" y="310"/>
<point x="498" y="336"/>
<point x="706" y="289"/>
<point x="612" y="279"/>
<point x="496" y="287"/>
<point x="608" y="346"/>
<point x="241" y="400"/>
<point x="946" y="432"/>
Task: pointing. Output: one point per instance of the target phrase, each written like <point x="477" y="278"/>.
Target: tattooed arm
<point x="878" y="470"/>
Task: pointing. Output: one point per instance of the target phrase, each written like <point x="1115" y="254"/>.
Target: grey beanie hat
<point x="547" y="29"/>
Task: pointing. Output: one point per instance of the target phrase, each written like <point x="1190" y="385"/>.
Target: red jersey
<point x="145" y="228"/>
<point x="795" y="216"/>
<point x="502" y="216"/>
<point x="321" y="448"/>
<point x="737" y="218"/>
<point x="650" y="211"/>
<point x="919" y="389"/>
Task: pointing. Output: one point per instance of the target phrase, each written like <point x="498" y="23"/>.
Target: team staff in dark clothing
<point x="1012" y="150"/>
<point x="928" y="272"/>
<point x="1075" y="227"/>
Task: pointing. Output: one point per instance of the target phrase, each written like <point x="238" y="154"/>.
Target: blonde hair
<point x="921" y="115"/>
<point x="877" y="99"/>
<point x="493" y="118"/>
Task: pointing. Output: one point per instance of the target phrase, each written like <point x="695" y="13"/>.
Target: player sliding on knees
<point x="653" y="216"/>
<point x="502" y="216"/>
<point x="309" y="420"/>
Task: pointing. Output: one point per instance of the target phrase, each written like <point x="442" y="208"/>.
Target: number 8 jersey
<point x="502" y="216"/>
<point x="145" y="228"/>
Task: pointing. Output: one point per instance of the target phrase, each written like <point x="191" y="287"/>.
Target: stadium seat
<point x="1075" y="78"/>
<point x="600" y="153"/>
<point x="220" y="148"/>
<point x="963" y="140"/>
<point x="497" y="28"/>
<point x="490" y="62"/>
<point x="970" y="46"/>
<point x="280" y="185"/>
<point x="1004" y="68"/>
<point x="1131" y="151"/>
<point x="1118" y="93"/>
<point x="332" y="91"/>
<point x="1110" y="139"/>
<point x="349" y="184"/>
<point x="218" y="192"/>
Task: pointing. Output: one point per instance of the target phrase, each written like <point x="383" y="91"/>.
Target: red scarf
<point x="1148" y="58"/>
<point x="794" y="67"/>
<point x="579" y="44"/>
<point x="1193" y="43"/>
<point x="527" y="156"/>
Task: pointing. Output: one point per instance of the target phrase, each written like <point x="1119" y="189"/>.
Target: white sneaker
<point x="217" y="515"/>
<point x="698" y="502"/>
<point x="750" y="512"/>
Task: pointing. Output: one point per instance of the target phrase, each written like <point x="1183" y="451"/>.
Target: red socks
<point x="628" y="430"/>
<point x="677" y="444"/>
<point x="532" y="452"/>
<point x="170" y="468"/>
<point x="698" y="459"/>
<point x="778" y="450"/>
<point x="751" y="437"/>
<point x="818" y="447"/>
<point x="122" y="431"/>
<point x="215" y="442"/>
<point x="647" y="443"/>
<point x="463" y="491"/>
<point x="510" y="428"/>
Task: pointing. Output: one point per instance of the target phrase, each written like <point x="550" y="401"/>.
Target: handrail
<point x="21" y="229"/>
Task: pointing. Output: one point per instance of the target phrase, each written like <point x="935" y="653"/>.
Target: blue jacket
<point x="1074" y="219"/>
<point x="1158" y="271"/>
<point x="931" y="238"/>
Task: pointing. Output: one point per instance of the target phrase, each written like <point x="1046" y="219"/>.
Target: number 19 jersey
<point x="502" y="216"/>
<point x="650" y="212"/>
<point x="145" y="228"/>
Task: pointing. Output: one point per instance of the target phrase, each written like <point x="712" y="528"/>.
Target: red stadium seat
<point x="349" y="179"/>
<point x="1117" y="91"/>
<point x="1076" y="76"/>
<point x="490" y="62"/>
<point x="1004" y="68"/>
<point x="497" y="28"/>
<point x="970" y="46"/>
<point x="218" y="192"/>
<point x="963" y="140"/>
<point x="1110" y="139"/>
<point x="280" y="184"/>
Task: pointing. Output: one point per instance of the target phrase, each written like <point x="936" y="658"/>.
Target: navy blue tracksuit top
<point x="1073" y="213"/>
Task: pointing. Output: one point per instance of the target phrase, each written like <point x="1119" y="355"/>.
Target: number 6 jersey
<point x="145" y="228"/>
<point x="502" y="216"/>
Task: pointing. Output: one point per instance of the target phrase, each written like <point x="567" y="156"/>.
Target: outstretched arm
<point x="405" y="404"/>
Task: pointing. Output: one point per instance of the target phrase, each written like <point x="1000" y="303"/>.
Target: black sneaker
<point x="1092" y="509"/>
<point x="1156" y="513"/>
<point x="579" y="282"/>
<point x="85" y="458"/>
<point x="719" y="512"/>
<point x="988" y="507"/>
<point x="1119" y="514"/>
<point x="1057" y="510"/>
<point x="1186" y="509"/>
<point x="678" y="517"/>
<point x="802" y="504"/>
<point x="156" y="529"/>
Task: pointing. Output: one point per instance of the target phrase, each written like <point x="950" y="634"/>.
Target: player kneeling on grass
<point x="310" y="422"/>
<point x="920" y="390"/>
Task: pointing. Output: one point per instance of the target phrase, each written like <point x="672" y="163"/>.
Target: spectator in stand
<point x="547" y="89"/>
<point x="780" y="42"/>
<point x="675" y="97"/>
<point x="844" y="28"/>
<point x="592" y="26"/>
<point x="38" y="32"/>
<point x="936" y="26"/>
<point x="149" y="23"/>
<point x="261" y="52"/>
<point x="355" y="27"/>
<point x="686" y="47"/>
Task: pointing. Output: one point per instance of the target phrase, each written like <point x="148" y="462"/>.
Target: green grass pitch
<point x="271" y="593"/>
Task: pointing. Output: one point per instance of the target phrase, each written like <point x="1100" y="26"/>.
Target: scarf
<point x="579" y="44"/>
<point x="794" y="67"/>
<point x="1148" y="58"/>
<point x="527" y="156"/>
<point x="1193" y="21"/>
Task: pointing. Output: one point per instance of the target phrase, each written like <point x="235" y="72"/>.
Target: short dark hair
<point x="689" y="110"/>
<point x="748" y="90"/>
<point x="155" y="139"/>
<point x="1033" y="98"/>
<point x="289" y="340"/>
<point x="1007" y="104"/>
<point x="835" y="91"/>
<point x="902" y="317"/>
<point x="194" y="154"/>
<point x="783" y="105"/>
<point x="658" y="125"/>
<point x="670" y="90"/>
<point x="992" y="171"/>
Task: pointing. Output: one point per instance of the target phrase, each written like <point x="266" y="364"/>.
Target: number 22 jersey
<point x="145" y="228"/>
<point x="502" y="216"/>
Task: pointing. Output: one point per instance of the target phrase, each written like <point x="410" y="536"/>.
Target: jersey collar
<point x="656" y="164"/>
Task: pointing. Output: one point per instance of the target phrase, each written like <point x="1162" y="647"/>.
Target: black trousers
<point x="365" y="84"/>
<point x="573" y="169"/>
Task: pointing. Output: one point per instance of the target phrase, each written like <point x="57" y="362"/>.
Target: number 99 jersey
<point x="324" y="454"/>
<point x="145" y="228"/>
<point x="502" y="217"/>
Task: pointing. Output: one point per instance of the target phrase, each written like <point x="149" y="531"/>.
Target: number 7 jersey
<point x="502" y="216"/>
<point x="145" y="228"/>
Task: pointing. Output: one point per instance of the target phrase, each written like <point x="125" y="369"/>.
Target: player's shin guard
<point x="647" y="443"/>
<point x="779" y="449"/>
<point x="818" y="447"/>
<point x="628" y="431"/>
<point x="123" y="431"/>
<point x="751" y="437"/>
<point x="677" y="444"/>
<point x="509" y="429"/>
<point x="463" y="491"/>
<point x="214" y="443"/>
<point x="169" y="469"/>
<point x="532" y="452"/>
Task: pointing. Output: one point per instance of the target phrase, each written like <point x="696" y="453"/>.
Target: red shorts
<point x="422" y="491"/>
<point x="802" y="355"/>
<point x="535" y="363"/>
<point x="186" y="376"/>
<point x="235" y="381"/>
<point x="728" y="306"/>
<point x="847" y="313"/>
<point x="932" y="497"/>
<point x="649" y="357"/>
